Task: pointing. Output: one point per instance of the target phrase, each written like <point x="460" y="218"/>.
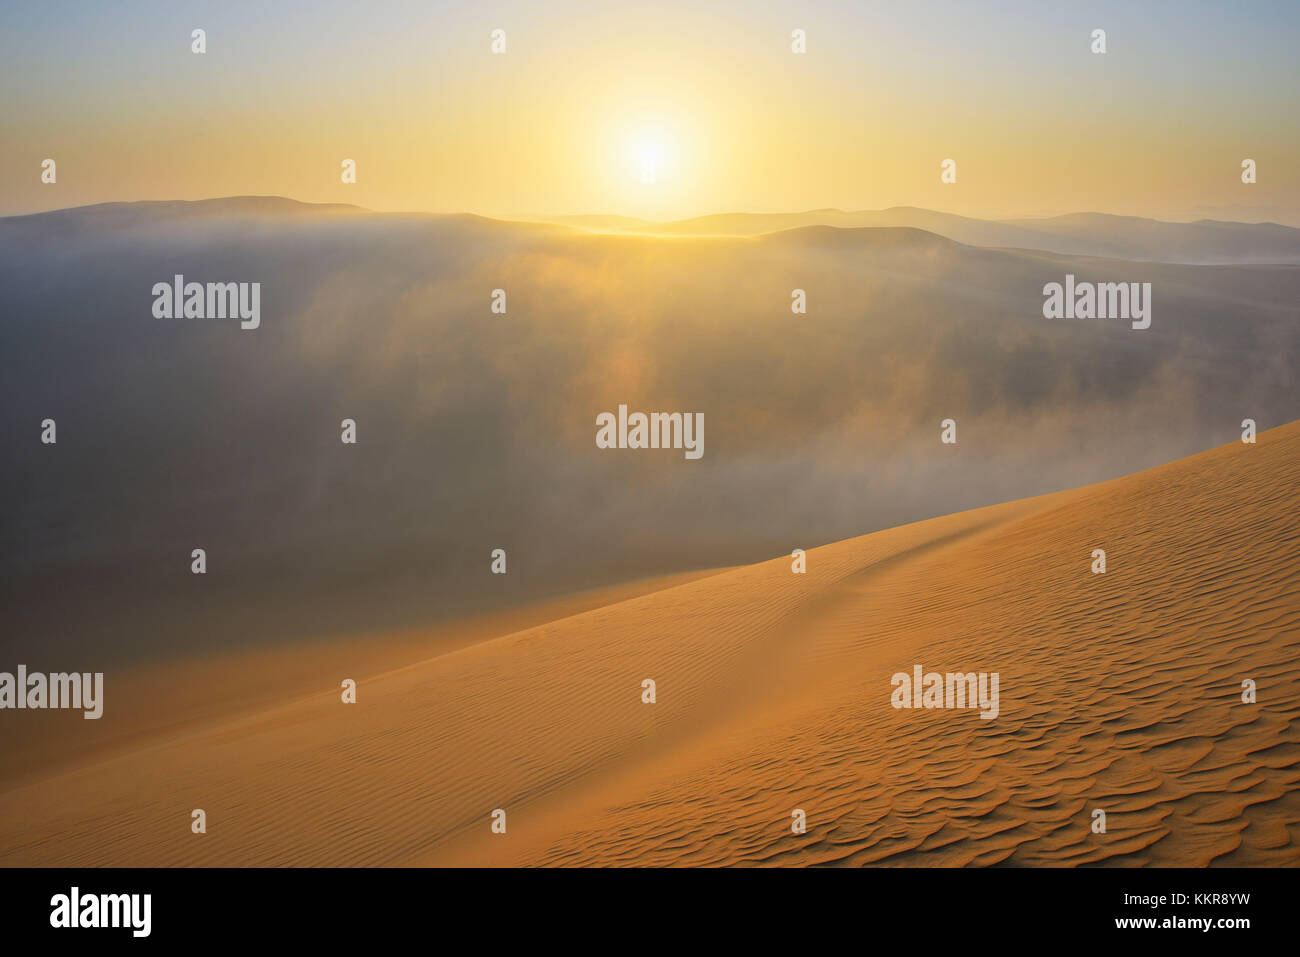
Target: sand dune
<point x="1118" y="691"/>
<point x="155" y="698"/>
<point x="1078" y="234"/>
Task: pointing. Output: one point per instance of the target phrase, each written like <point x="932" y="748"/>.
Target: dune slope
<point x="1119" y="692"/>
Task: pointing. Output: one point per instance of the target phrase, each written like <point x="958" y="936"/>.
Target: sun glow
<point x="653" y="155"/>
<point x="651" y="165"/>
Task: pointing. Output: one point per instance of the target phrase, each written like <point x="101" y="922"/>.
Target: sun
<point x="647" y="160"/>
<point x="649" y="164"/>
<point x="652" y="155"/>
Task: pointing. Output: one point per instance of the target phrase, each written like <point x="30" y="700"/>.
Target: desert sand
<point x="1119" y="692"/>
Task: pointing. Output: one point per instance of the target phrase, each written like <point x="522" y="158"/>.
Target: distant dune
<point x="1078" y="234"/>
<point x="1119" y="692"/>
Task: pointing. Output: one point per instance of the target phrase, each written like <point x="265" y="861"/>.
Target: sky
<point x="706" y="100"/>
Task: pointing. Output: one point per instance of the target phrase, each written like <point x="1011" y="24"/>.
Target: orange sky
<point x="587" y="95"/>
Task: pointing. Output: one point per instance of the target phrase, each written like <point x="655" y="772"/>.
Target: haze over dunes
<point x="1119" y="691"/>
<point x="476" y="431"/>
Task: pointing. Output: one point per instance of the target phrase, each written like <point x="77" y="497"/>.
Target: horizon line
<point x="558" y="217"/>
